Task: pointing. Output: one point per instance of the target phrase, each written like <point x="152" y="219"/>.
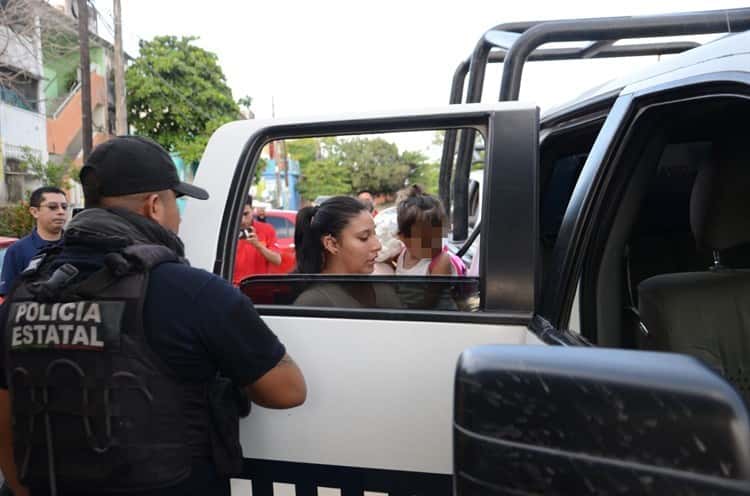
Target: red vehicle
<point x="283" y="222"/>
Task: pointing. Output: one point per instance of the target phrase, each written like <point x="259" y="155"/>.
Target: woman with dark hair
<point x="338" y="237"/>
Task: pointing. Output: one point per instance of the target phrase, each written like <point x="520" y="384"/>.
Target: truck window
<point x="563" y="152"/>
<point x="380" y="171"/>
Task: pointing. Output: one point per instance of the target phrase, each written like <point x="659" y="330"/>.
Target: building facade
<point x="23" y="127"/>
<point x="40" y="111"/>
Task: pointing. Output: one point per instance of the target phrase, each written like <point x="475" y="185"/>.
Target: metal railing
<point x="517" y="43"/>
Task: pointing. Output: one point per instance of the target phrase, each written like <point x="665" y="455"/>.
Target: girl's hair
<point x="415" y="206"/>
<point x="330" y="217"/>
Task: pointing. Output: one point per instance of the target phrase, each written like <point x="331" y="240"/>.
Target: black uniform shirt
<point x="197" y="323"/>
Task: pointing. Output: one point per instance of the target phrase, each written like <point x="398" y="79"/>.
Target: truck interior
<point x="668" y="266"/>
<point x="635" y="286"/>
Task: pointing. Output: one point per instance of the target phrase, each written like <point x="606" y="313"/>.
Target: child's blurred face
<point x="424" y="240"/>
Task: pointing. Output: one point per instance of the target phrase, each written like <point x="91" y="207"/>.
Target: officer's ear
<point x="152" y="206"/>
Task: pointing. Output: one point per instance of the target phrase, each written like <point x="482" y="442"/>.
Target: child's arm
<point x="442" y="266"/>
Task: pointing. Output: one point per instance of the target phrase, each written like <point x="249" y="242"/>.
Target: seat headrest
<point x="720" y="199"/>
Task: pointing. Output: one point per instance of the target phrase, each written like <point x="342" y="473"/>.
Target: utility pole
<point x="121" y="116"/>
<point x="280" y="150"/>
<point x="83" y="40"/>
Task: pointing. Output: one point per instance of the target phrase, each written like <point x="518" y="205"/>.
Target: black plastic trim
<point x="501" y="317"/>
<point x="554" y="336"/>
<point x="590" y="108"/>
<point x="548" y="420"/>
<point x="571" y="236"/>
<point x="509" y="244"/>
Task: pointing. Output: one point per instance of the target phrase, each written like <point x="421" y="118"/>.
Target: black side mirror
<point x="556" y="420"/>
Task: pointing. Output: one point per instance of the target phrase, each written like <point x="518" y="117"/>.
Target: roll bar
<point x="517" y="43"/>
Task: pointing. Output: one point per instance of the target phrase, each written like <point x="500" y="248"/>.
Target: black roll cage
<point x="516" y="43"/>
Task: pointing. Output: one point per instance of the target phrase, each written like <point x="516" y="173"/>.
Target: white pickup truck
<point x="587" y="243"/>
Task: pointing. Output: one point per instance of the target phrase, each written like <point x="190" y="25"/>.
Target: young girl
<point x="421" y="225"/>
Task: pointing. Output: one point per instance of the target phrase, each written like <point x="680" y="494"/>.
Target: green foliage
<point x="427" y="176"/>
<point x="332" y="166"/>
<point x="375" y="164"/>
<point x="321" y="169"/>
<point x="16" y="220"/>
<point x="305" y="150"/>
<point x="324" y="177"/>
<point x="178" y="95"/>
<point x="50" y="173"/>
<point x="246" y="101"/>
<point x="260" y="168"/>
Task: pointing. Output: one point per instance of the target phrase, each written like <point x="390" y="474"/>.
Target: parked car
<point x="320" y="199"/>
<point x="283" y="222"/>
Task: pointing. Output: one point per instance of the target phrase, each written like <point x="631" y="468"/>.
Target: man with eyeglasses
<point x="49" y="207"/>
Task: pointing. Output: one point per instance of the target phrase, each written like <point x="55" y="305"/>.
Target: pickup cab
<point x="614" y="232"/>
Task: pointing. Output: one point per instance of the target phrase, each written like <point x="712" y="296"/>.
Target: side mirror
<point x="556" y="420"/>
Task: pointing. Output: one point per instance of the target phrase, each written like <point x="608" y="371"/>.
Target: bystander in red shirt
<point x="248" y="259"/>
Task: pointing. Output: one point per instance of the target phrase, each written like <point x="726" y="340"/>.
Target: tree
<point x="324" y="177"/>
<point x="340" y="166"/>
<point x="375" y="164"/>
<point x="246" y="102"/>
<point x="178" y="95"/>
<point x="320" y="166"/>
<point x="304" y="150"/>
<point x="50" y="173"/>
<point x="24" y="26"/>
<point x="421" y="171"/>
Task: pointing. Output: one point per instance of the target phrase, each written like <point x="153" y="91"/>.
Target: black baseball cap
<point x="125" y="165"/>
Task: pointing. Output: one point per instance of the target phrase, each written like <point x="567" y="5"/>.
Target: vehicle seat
<point x="707" y="314"/>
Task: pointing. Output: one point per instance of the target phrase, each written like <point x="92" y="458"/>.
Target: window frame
<point x="585" y="213"/>
<point x="512" y="136"/>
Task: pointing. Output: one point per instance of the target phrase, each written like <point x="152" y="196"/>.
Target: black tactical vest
<point x="93" y="406"/>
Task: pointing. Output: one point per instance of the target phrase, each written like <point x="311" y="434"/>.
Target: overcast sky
<point x="326" y="57"/>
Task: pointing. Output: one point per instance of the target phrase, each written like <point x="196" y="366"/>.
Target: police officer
<point x="125" y="369"/>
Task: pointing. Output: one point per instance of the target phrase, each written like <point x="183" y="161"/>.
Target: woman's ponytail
<point x="307" y="246"/>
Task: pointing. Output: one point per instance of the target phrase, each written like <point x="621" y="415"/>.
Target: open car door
<point x="380" y="379"/>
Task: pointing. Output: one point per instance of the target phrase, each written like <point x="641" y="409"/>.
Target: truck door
<point x="378" y="414"/>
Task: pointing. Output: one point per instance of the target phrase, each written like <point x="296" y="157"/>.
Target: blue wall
<point x="180" y="166"/>
<point x="290" y="199"/>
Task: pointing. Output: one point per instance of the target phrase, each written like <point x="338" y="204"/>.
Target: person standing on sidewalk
<point x="49" y="207"/>
<point x="256" y="248"/>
